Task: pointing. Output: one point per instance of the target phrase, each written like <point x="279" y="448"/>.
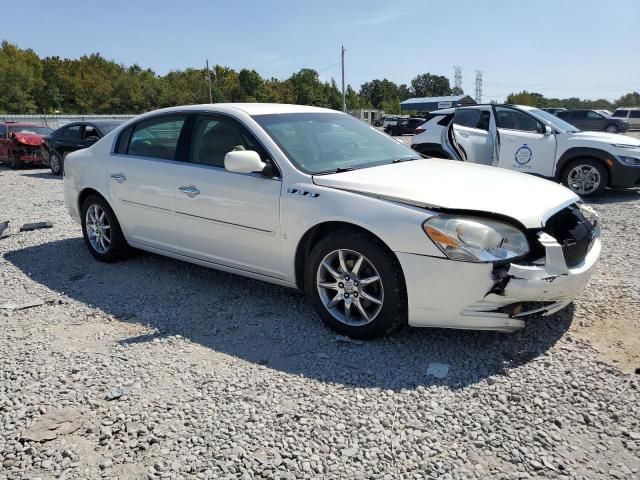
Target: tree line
<point x="538" y="100"/>
<point x="94" y="84"/>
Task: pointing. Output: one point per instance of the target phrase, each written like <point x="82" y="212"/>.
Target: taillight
<point x="420" y="130"/>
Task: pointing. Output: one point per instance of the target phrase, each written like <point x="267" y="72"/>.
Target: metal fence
<point x="56" y="121"/>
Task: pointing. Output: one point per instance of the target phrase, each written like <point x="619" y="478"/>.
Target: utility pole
<point x="344" y="98"/>
<point x="208" y="78"/>
<point x="457" y="77"/>
<point x="478" y="86"/>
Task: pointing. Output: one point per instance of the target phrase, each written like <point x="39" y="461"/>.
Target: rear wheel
<point x="101" y="230"/>
<point x="586" y="177"/>
<point x="356" y="285"/>
<point x="612" y="128"/>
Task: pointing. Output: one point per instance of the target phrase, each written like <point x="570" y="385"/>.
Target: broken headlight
<point x="592" y="217"/>
<point x="472" y="239"/>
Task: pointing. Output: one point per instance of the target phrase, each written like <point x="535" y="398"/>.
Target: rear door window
<point x="72" y="132"/>
<point x="3" y="131"/>
<point x="156" y="137"/>
<point x="466" y="117"/>
<point x="635" y="114"/>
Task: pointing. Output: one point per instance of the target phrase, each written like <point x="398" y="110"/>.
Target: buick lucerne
<point x="376" y="235"/>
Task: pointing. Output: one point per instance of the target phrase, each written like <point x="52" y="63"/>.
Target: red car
<point x="21" y="143"/>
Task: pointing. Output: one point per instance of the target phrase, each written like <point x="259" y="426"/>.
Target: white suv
<point x="530" y="140"/>
<point x="631" y="115"/>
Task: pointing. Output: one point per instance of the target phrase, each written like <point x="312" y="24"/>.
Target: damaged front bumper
<point x="451" y="294"/>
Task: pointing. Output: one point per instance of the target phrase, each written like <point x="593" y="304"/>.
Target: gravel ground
<point x="152" y="368"/>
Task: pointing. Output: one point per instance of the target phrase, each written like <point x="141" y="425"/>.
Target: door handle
<point x="190" y="190"/>
<point x="118" y="177"/>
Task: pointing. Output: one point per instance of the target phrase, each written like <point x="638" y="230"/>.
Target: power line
<point x="344" y="98"/>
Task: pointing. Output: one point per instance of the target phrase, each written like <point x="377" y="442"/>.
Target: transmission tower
<point x="478" y="86"/>
<point x="457" y="77"/>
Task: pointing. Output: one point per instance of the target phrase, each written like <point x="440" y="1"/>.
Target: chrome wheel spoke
<point x="367" y="281"/>
<point x="335" y="300"/>
<point x="363" y="312"/>
<point x="329" y="285"/>
<point x="368" y="297"/>
<point x="343" y="264"/>
<point x="347" y="312"/>
<point x="356" y="266"/>
<point x="331" y="270"/>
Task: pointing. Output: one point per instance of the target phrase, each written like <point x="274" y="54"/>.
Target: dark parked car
<point x="554" y="110"/>
<point x="404" y="125"/>
<point x="72" y="137"/>
<point x="593" y="121"/>
<point x="21" y="143"/>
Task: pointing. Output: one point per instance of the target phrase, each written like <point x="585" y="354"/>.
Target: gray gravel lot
<point x="217" y="376"/>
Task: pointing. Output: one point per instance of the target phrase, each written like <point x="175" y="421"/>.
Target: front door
<point x="227" y="218"/>
<point x="141" y="176"/>
<point x="523" y="143"/>
<point x="474" y="134"/>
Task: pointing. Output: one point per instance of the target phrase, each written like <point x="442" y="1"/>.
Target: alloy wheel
<point x="611" y="129"/>
<point x="98" y="229"/>
<point x="350" y="287"/>
<point x="584" y="179"/>
<point x="54" y="162"/>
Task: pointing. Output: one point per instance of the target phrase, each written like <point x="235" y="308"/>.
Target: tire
<point x="113" y="246"/>
<point x="611" y="128"/>
<point x="341" y="287"/>
<point x="580" y="174"/>
<point x="55" y="163"/>
<point x="14" y="162"/>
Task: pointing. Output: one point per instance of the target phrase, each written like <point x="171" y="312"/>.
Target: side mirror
<point x="243" y="161"/>
<point x="547" y="130"/>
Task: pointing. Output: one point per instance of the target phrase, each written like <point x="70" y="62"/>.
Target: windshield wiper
<point x="335" y="170"/>
<point x="399" y="160"/>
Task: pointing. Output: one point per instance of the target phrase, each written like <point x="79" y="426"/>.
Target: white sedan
<point x="311" y="198"/>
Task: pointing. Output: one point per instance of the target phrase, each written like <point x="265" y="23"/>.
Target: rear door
<point x="634" y="118"/>
<point x="142" y="175"/>
<point x="524" y="144"/>
<point x="473" y="136"/>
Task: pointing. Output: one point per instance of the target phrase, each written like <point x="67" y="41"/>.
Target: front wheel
<point x="55" y="163"/>
<point x="356" y="285"/>
<point x="101" y="230"/>
<point x="586" y="177"/>
<point x="14" y="162"/>
<point x="612" y="129"/>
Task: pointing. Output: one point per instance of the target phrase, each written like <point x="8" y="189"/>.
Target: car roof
<point x="253" y="108"/>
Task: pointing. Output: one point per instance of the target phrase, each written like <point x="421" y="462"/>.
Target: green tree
<point x="428" y="85"/>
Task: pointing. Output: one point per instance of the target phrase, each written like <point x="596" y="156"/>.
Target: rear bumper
<point x="451" y="294"/>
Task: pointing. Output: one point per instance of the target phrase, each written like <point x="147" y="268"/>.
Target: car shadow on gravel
<point x="273" y="326"/>
<point x="44" y="175"/>
<point x="616" y="195"/>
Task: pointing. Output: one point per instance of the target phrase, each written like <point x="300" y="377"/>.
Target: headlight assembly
<point x="630" y="161"/>
<point x="473" y="239"/>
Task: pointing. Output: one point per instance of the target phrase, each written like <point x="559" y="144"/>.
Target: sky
<point x="583" y="48"/>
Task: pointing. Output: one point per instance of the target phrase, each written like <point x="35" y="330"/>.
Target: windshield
<point x="29" y="129"/>
<point x="553" y="120"/>
<point x="328" y="142"/>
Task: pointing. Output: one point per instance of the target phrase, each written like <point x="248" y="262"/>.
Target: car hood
<point x="28" y="138"/>
<point x="449" y="184"/>
<point x="615" y="138"/>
